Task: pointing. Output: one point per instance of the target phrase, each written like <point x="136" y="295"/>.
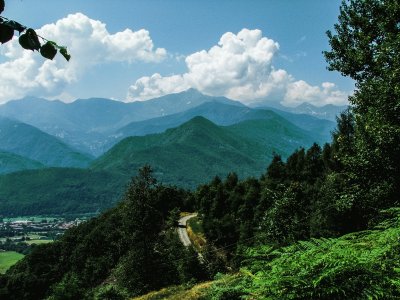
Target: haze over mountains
<point x="188" y="138"/>
<point x="95" y="125"/>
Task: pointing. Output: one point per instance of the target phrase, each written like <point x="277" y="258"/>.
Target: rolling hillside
<point x="28" y="141"/>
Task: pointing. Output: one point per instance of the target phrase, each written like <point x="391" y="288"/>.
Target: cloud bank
<point x="238" y="67"/>
<point x="89" y="43"/>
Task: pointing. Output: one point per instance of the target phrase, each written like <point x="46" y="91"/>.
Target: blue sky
<point x="281" y="62"/>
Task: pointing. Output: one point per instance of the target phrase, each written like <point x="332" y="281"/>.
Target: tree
<point x="28" y="38"/>
<point x="365" y="47"/>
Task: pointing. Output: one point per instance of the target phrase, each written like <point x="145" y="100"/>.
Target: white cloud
<point x="88" y="42"/>
<point x="156" y="85"/>
<point x="300" y="91"/>
<point x="238" y="67"/>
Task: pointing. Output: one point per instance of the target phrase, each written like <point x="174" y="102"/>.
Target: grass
<point x="196" y="233"/>
<point x="178" y="292"/>
<point x="38" y="242"/>
<point x="197" y="225"/>
<point x="33" y="239"/>
<point x="7" y="259"/>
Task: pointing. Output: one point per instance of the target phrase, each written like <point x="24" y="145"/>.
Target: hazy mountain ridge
<point x="87" y="124"/>
<point x="27" y="141"/>
<point x="95" y="125"/>
<point x="227" y="114"/>
<point x="326" y="112"/>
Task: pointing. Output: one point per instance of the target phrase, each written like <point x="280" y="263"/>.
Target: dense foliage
<point x="54" y="190"/>
<point x="130" y="247"/>
<point x="361" y="265"/>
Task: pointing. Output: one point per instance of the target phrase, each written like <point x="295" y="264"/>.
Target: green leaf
<point x="29" y="40"/>
<point x="64" y="52"/>
<point x="48" y="50"/>
<point x="1" y="6"/>
<point x="15" y="25"/>
<point x="6" y="33"/>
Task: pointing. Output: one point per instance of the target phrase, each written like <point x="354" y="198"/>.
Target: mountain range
<point x="87" y="124"/>
<point x="187" y="141"/>
<point x="94" y="125"/>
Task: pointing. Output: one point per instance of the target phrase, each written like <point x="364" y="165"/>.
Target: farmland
<point x="7" y="259"/>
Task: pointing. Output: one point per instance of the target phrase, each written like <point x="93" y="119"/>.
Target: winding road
<point x="183" y="235"/>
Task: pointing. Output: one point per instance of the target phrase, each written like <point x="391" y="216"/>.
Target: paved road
<point x="183" y="236"/>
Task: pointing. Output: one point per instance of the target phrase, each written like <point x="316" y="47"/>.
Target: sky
<point x="258" y="52"/>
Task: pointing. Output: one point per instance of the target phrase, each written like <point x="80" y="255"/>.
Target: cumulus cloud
<point x="239" y="67"/>
<point x="89" y="43"/>
<point x="300" y="91"/>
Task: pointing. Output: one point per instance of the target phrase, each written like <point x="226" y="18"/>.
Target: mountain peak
<point x="192" y="91"/>
<point x="198" y="123"/>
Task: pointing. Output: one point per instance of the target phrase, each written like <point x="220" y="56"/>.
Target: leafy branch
<point x="28" y="38"/>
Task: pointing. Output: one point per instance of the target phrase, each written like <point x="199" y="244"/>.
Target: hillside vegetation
<point x="10" y="162"/>
<point x="198" y="150"/>
<point x="28" y="141"/>
<point x="322" y="224"/>
<point x="58" y="191"/>
<point x="362" y="265"/>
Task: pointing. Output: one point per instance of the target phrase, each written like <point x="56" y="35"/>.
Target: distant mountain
<point x="58" y="191"/>
<point x="327" y="112"/>
<point x="196" y="151"/>
<point x="226" y="114"/>
<point x="318" y="127"/>
<point x="10" y="162"/>
<point x="86" y="124"/>
<point x="28" y="141"/>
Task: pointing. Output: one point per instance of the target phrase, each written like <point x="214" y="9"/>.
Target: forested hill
<point x="10" y="162"/>
<point x="198" y="150"/>
<point x="59" y="191"/>
<point x="25" y="140"/>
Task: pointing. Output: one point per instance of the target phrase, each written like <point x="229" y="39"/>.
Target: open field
<point x="38" y="242"/>
<point x="7" y="259"/>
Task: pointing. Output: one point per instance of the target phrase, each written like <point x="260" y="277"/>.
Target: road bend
<point x="182" y="232"/>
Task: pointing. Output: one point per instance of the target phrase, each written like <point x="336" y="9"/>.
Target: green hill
<point x="273" y="133"/>
<point x="10" y="162"/>
<point x="198" y="150"/>
<point x="58" y="191"/>
<point x="28" y="141"/>
<point x="186" y="156"/>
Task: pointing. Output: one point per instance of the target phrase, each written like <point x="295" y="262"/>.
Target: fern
<point x="361" y="265"/>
